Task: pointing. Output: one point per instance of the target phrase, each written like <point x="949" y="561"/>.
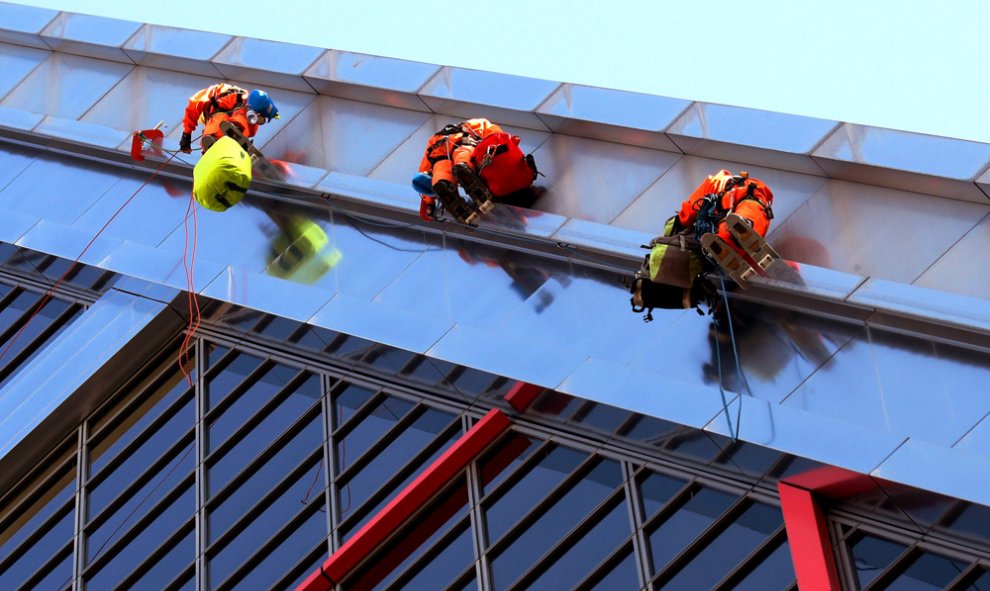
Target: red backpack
<point x="502" y="165"/>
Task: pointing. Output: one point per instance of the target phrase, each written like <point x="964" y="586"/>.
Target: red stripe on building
<point x="807" y="534"/>
<point x="440" y="473"/>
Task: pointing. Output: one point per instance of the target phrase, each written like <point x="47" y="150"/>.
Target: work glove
<point x="185" y="143"/>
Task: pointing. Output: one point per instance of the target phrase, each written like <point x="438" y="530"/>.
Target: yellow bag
<point x="222" y="175"/>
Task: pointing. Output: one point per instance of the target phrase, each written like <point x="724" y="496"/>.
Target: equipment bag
<point x="502" y="165"/>
<point x="222" y="176"/>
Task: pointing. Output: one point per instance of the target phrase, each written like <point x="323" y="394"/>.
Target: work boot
<point x="455" y="205"/>
<point x="474" y="186"/>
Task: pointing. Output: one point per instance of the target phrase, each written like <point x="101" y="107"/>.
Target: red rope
<point x="51" y="290"/>
<point x="189" y="264"/>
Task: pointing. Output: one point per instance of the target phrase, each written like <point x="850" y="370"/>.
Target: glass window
<point x="140" y="502"/>
<point x="24" y="521"/>
<point x="444" y="562"/>
<point x="697" y="444"/>
<point x="351" y="504"/>
<point x="724" y="553"/>
<point x="153" y="404"/>
<point x="589" y="551"/>
<point x="346" y="402"/>
<point x="274" y="423"/>
<point x="504" y="458"/>
<point x="431" y="371"/>
<point x="750" y="459"/>
<point x="370" y="429"/>
<point x="259" y="392"/>
<point x="256" y="528"/>
<point x="682" y="527"/>
<point x="656" y="489"/>
<point x="219" y="382"/>
<point x="871" y="555"/>
<point x="928" y="571"/>
<point x="473" y="382"/>
<point x="554" y="522"/>
<point x="621" y="576"/>
<point x="278" y="328"/>
<point x="603" y="417"/>
<point x="39" y="550"/>
<point x="391" y="360"/>
<point x="973" y="521"/>
<point x="267" y="475"/>
<point x="273" y="565"/>
<point x="57" y="574"/>
<point x="650" y="430"/>
<point x="775" y="573"/>
<point x="138" y="459"/>
<point x="168" y="566"/>
<point x="151" y="536"/>
<point x="539" y="480"/>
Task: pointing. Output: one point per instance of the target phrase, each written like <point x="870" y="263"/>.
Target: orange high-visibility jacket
<point x="755" y="207"/>
<point x="218" y="103"/>
<point x="451" y="146"/>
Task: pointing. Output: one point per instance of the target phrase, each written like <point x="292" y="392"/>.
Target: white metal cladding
<point x="882" y="222"/>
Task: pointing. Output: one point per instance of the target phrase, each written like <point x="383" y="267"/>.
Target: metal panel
<point x="358" y="135"/>
<point x="19" y="119"/>
<point x="645" y="392"/>
<point x="13" y="225"/>
<point x="183" y="50"/>
<point x="983" y="182"/>
<point x="23" y="24"/>
<point x="663" y="199"/>
<point x="267" y="63"/>
<point x="393" y="195"/>
<point x="502" y="98"/>
<point x="904" y="160"/>
<point x="929" y="467"/>
<point x="92" y="36"/>
<point x="67" y="242"/>
<point x="953" y="271"/>
<point x="808" y="435"/>
<point x="876" y="379"/>
<point x="16" y="63"/>
<point x="370" y="78"/>
<point x="776" y="140"/>
<point x="843" y="218"/>
<point x="267" y="294"/>
<point x="930" y="304"/>
<point x="612" y="115"/>
<point x="65" y="364"/>
<point x="610" y="239"/>
<point x="83" y="133"/>
<point x="66" y="85"/>
<point x="165" y="268"/>
<point x="148" y="218"/>
<point x="144" y="97"/>
<point x="381" y="323"/>
<point x="595" y="180"/>
<point x="45" y="186"/>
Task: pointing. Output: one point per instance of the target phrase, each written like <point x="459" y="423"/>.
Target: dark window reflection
<point x="973" y="521"/>
<point x="55" y="575"/>
<point x="504" y="458"/>
<point x="775" y="573"/>
<point x="28" y="520"/>
<point x="553" y="523"/>
<point x="871" y="556"/>
<point x="541" y="478"/>
<point x="254" y="528"/>
<point x="386" y="413"/>
<point x="254" y="397"/>
<point x="347" y="401"/>
<point x="602" y="417"/>
<point x="656" y="489"/>
<point x="151" y="537"/>
<point x="173" y="562"/>
<point x="681" y="528"/>
<point x="743" y="536"/>
<point x="928" y="571"/>
<point x="589" y="551"/>
<point x="38" y="552"/>
<point x="267" y="475"/>
<point x="220" y="383"/>
<point x="269" y="567"/>
<point x="621" y="576"/>
<point x="750" y="459"/>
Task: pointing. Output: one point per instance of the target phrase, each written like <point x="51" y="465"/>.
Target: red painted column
<point x="376" y="531"/>
<point x="521" y="395"/>
<point x="807" y="535"/>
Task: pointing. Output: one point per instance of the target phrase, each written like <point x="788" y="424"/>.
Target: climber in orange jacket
<point x="721" y="194"/>
<point x="477" y="155"/>
<point x="225" y="102"/>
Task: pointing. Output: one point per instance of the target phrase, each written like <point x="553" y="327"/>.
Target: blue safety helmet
<point x="259" y="102"/>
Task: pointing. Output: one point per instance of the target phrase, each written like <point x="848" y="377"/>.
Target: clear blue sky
<point x="917" y="65"/>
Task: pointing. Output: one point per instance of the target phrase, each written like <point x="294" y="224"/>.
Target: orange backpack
<point x="502" y="165"/>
